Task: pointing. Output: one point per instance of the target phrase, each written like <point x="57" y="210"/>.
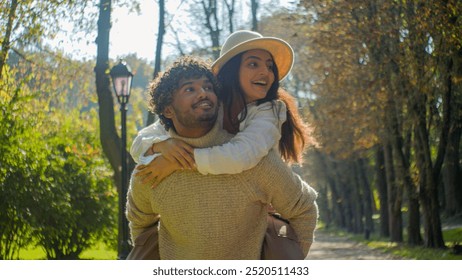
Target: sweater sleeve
<point x="149" y="135"/>
<point x="138" y="211"/>
<point x="292" y="197"/>
<point x="260" y="132"/>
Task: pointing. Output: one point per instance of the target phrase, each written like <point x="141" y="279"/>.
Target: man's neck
<point x="193" y="132"/>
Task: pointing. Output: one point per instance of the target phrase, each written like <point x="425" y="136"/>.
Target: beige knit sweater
<point x="221" y="216"/>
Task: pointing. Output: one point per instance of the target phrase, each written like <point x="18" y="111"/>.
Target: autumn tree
<point x="382" y="75"/>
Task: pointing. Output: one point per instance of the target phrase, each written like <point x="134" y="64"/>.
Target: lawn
<point x="451" y="237"/>
<point x="98" y="252"/>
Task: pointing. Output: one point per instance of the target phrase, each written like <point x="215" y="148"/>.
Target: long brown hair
<point x="294" y="132"/>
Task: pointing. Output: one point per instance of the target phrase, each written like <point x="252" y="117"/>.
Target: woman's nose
<point x="265" y="70"/>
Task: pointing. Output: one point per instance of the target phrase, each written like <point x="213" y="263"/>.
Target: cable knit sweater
<point x="221" y="216"/>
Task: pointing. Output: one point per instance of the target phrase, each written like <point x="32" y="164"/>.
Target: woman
<point x="261" y="114"/>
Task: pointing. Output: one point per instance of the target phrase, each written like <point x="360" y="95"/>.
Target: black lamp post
<point x="122" y="81"/>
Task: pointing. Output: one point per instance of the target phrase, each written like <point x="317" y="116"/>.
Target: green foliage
<point x="22" y="167"/>
<point x="80" y="201"/>
<point x="35" y="20"/>
<point x="55" y="186"/>
<point x="453" y="235"/>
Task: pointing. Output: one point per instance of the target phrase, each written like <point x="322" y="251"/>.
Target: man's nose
<point x="202" y="92"/>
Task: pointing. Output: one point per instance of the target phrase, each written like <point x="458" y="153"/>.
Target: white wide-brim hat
<point x="244" y="40"/>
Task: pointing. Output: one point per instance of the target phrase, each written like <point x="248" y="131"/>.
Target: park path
<point x="328" y="246"/>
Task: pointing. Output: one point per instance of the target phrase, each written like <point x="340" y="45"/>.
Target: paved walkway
<point x="330" y="247"/>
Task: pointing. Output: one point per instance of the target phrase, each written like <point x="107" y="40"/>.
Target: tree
<point x="159" y="45"/>
<point x="384" y="71"/>
<point x="54" y="184"/>
<point x="230" y="8"/>
<point x="254" y="7"/>
<point x="25" y="23"/>
<point x="6" y="41"/>
<point x="212" y="24"/>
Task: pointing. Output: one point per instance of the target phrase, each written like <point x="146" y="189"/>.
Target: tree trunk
<point x="6" y="40"/>
<point x="212" y="24"/>
<point x="404" y="181"/>
<point x="254" y="6"/>
<point x="451" y="174"/>
<point x="110" y="141"/>
<point x="452" y="171"/>
<point x="158" y="59"/>
<point x="357" y="198"/>
<point x="367" y="198"/>
<point x="418" y="109"/>
<point x="325" y="209"/>
<point x="429" y="192"/>
<point x="382" y="189"/>
<point x="230" y="8"/>
<point x="339" y="198"/>
<point x="394" y="198"/>
<point x="414" y="236"/>
<point x="349" y="192"/>
<point x="337" y="211"/>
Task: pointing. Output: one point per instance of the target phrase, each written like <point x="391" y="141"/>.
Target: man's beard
<point x="206" y="120"/>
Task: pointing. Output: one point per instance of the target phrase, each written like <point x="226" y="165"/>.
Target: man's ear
<point x="168" y="112"/>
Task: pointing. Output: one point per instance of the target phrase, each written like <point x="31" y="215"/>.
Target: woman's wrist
<point x="150" y="151"/>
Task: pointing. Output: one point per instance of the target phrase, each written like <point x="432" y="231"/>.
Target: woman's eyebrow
<point x="258" y="58"/>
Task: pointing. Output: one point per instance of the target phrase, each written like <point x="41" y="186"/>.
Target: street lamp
<point x="122" y="81"/>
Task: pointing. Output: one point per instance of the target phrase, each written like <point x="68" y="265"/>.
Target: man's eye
<point x="253" y="64"/>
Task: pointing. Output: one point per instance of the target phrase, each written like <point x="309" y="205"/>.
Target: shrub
<point x="55" y="186"/>
<point x="81" y="205"/>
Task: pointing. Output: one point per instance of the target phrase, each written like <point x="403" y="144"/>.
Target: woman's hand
<point x="157" y="170"/>
<point x="175" y="150"/>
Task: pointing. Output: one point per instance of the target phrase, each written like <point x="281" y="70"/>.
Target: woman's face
<point x="256" y="74"/>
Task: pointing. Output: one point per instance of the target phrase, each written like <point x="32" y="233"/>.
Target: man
<point x="213" y="216"/>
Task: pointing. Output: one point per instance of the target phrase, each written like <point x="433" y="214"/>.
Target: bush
<point x="22" y="166"/>
<point x="81" y="204"/>
<point x="55" y="186"/>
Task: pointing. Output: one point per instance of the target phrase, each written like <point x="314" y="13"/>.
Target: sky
<point x="131" y="32"/>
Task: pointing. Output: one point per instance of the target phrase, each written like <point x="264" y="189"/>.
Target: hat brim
<point x="282" y="54"/>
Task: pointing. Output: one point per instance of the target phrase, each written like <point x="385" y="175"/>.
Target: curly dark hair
<point x="166" y="83"/>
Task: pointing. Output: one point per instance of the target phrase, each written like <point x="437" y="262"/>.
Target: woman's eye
<point x="253" y="64"/>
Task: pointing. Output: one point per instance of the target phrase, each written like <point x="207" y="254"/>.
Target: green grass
<point x="98" y="252"/>
<point x="414" y="253"/>
<point x="451" y="237"/>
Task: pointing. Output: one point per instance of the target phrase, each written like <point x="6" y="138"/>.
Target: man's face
<point x="194" y="108"/>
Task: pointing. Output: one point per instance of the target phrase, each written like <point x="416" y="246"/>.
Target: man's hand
<point x="157" y="170"/>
